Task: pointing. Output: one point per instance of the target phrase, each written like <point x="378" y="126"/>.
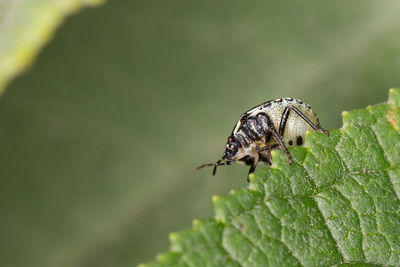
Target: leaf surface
<point x="337" y="205"/>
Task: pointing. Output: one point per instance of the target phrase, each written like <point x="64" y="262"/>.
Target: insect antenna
<point x="216" y="164"/>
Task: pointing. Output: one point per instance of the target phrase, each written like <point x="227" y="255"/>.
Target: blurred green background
<point x="99" y="140"/>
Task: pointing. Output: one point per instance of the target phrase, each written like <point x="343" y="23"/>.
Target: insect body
<point x="276" y="124"/>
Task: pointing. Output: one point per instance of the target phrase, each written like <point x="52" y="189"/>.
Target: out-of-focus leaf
<point x="25" y="26"/>
<point x="338" y="203"/>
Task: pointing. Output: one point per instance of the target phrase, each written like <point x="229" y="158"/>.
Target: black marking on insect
<point x="267" y="104"/>
<point x="299" y="140"/>
<point x="269" y="126"/>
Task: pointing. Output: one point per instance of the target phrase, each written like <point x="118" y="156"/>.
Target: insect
<point x="276" y="124"/>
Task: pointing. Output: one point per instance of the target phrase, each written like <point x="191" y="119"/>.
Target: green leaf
<point x="338" y="204"/>
<point x="25" y="26"/>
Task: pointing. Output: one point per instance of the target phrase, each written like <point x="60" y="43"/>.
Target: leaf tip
<point x="160" y="257"/>
<point x="173" y="236"/>
<point x="196" y="223"/>
<point x="394" y="97"/>
<point x="252" y="176"/>
<point x="215" y="198"/>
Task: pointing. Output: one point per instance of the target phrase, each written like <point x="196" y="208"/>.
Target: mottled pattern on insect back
<point x="276" y="124"/>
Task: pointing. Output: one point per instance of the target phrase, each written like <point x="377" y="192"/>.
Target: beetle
<point x="276" y="124"/>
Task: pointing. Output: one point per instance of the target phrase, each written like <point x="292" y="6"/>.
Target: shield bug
<point x="276" y="124"/>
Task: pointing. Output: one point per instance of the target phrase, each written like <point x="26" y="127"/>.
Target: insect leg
<point x="284" y="119"/>
<point x="304" y="117"/>
<point x="279" y="139"/>
<point x="253" y="167"/>
<point x="266" y="154"/>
